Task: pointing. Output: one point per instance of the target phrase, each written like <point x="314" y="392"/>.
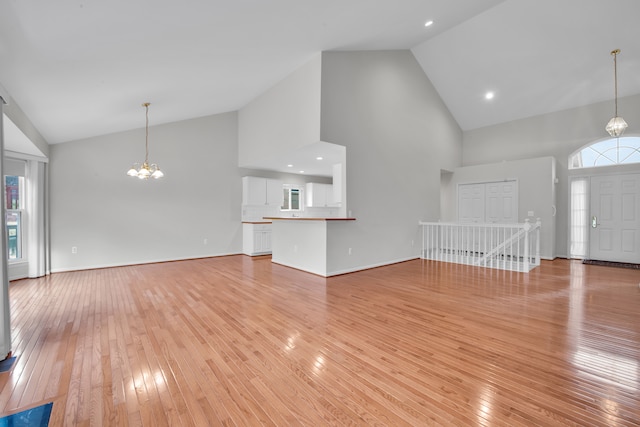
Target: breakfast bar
<point x="303" y="243"/>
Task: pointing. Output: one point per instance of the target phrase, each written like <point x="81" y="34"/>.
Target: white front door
<point x="615" y="218"/>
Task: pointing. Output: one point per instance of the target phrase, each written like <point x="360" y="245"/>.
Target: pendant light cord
<point x="615" y="77"/>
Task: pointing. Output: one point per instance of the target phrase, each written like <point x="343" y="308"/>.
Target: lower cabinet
<point x="256" y="238"/>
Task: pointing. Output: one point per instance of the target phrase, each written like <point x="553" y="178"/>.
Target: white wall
<point x="536" y="192"/>
<point x="557" y="135"/>
<point x="284" y="118"/>
<point x="114" y="219"/>
<point x="399" y="135"/>
<point x="22" y="122"/>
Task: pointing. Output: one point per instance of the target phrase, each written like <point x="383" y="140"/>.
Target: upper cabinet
<point x="274" y="194"/>
<point x="261" y="191"/>
<point x="319" y="195"/>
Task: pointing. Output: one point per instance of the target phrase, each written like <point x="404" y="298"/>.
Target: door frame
<point x="617" y="250"/>
<point x="588" y="173"/>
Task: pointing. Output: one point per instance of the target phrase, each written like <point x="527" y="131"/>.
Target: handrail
<point x="514" y="238"/>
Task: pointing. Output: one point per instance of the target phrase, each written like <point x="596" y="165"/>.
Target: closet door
<point x="471" y="203"/>
<point x="495" y="202"/>
<point x="502" y="202"/>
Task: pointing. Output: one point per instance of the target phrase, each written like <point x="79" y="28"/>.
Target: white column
<point x="5" y="315"/>
<point x="36" y="239"/>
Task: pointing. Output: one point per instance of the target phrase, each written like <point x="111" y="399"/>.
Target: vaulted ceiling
<point x="81" y="68"/>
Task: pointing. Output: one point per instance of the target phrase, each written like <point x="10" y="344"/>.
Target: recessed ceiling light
<point x="301" y="171"/>
<point x="319" y="158"/>
<point x="428" y="23"/>
<point x="489" y="95"/>
<point x="289" y="166"/>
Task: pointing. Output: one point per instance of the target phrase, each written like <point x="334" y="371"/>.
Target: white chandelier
<point x="146" y="170"/>
<point x="616" y="125"/>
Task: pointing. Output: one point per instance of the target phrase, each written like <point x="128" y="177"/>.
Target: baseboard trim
<point x="370" y="266"/>
<point x="158" y="261"/>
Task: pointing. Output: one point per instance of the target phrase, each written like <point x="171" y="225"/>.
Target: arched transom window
<point x="614" y="151"/>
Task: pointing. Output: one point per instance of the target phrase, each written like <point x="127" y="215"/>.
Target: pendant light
<point x="146" y="170"/>
<point x="616" y="125"/>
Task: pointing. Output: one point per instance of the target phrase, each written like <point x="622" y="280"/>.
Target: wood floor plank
<point x="241" y="341"/>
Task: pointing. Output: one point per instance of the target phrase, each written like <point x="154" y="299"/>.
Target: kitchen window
<point x="292" y="198"/>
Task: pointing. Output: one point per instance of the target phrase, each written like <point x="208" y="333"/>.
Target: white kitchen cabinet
<point x="256" y="238"/>
<point x="261" y="191"/>
<point x="318" y="195"/>
<point x="275" y="194"/>
<point x="336" y="199"/>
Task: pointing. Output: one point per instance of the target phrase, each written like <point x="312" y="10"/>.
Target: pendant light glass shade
<point x="616" y="126"/>
<point x="146" y="170"/>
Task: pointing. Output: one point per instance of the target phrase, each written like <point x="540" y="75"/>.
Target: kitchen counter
<point x="305" y="243"/>
<point x="298" y="218"/>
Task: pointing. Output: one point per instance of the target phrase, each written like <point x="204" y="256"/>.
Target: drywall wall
<point x="557" y="135"/>
<point x="536" y="192"/>
<point x="285" y="117"/>
<point x="113" y="219"/>
<point x="399" y="135"/>
<point x="22" y="122"/>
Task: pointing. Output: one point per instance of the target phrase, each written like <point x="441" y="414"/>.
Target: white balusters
<point x="514" y="247"/>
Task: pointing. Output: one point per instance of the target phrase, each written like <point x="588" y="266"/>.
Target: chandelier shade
<point x="145" y="170"/>
<point x="616" y="125"/>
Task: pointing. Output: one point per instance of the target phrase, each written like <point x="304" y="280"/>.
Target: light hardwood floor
<point x="241" y="341"/>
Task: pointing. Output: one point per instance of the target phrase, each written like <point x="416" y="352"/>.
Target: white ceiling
<point x="81" y="68"/>
<point x="537" y="56"/>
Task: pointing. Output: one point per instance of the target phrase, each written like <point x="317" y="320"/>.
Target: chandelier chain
<point x="146" y="133"/>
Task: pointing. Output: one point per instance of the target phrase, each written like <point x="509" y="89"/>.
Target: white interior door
<point x="471" y="202"/>
<point x="615" y="218"/>
<point x="495" y="202"/>
<point x="502" y="202"/>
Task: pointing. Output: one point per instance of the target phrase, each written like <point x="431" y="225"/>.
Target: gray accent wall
<point x="556" y="135"/>
<point x="399" y="135"/>
<point x="113" y="219"/>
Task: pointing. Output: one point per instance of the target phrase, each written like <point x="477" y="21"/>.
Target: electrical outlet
<point x="350" y="251"/>
<point x="74" y="249"/>
<point x="205" y="241"/>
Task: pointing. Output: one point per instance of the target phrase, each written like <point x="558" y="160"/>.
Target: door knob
<point x="594" y="221"/>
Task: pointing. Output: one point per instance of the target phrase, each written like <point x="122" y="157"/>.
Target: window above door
<point x="607" y="152"/>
